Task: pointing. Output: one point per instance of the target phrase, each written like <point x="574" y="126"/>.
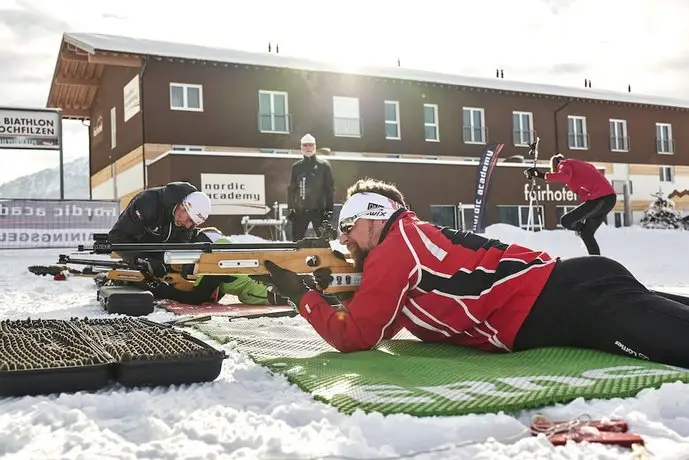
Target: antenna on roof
<point x="587" y="83"/>
<point x="502" y="75"/>
<point x="497" y="73"/>
<point x="398" y="62"/>
<point x="277" y="48"/>
<point x="629" y="88"/>
<point x="269" y="47"/>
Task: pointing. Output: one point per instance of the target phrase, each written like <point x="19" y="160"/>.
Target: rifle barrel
<point x="106" y="248"/>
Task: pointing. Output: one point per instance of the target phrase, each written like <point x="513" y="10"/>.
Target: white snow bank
<point x="249" y="413"/>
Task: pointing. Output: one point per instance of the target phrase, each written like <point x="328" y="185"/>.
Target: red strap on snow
<point x="584" y="429"/>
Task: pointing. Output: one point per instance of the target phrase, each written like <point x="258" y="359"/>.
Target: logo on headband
<point x="374" y="206"/>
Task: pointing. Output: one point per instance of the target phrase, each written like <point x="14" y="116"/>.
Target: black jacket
<point x="149" y="218"/>
<point x="311" y="186"/>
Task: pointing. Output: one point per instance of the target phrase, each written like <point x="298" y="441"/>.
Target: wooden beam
<point x="74" y="113"/>
<point x="60" y="80"/>
<point x="70" y="56"/>
<point x="121" y="61"/>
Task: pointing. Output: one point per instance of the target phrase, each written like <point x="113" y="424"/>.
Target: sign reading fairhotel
<point x="26" y="129"/>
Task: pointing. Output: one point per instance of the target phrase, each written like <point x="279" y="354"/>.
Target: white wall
<point x="125" y="182"/>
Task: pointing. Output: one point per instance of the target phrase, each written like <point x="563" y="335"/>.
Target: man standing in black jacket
<point x="311" y="191"/>
<point x="165" y="214"/>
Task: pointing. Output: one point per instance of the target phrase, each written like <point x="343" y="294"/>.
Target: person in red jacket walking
<point x="593" y="189"/>
<point x="451" y="286"/>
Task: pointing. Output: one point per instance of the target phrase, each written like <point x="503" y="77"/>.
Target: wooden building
<point x="144" y="98"/>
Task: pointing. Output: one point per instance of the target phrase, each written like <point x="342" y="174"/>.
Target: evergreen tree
<point x="661" y="213"/>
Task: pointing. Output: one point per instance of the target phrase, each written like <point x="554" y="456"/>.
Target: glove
<point x="534" y="172"/>
<point x="287" y="283"/>
<point x="323" y="277"/>
<point x="154" y="266"/>
<point x="159" y="289"/>
<point x="327" y="215"/>
<point x="291" y="214"/>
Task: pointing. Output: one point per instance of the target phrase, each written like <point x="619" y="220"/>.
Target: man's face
<point x="182" y="218"/>
<point x="360" y="240"/>
<point x="308" y="149"/>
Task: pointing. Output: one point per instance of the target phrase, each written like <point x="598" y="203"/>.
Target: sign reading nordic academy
<point x="235" y="194"/>
<point x="27" y="129"/>
<point x="485" y="170"/>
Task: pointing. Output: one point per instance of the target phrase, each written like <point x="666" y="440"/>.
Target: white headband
<point x="368" y="205"/>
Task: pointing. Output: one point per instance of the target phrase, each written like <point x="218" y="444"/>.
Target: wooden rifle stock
<point x="248" y="259"/>
<point x="175" y="280"/>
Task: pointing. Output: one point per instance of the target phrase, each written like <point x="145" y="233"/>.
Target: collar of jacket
<point x="388" y="225"/>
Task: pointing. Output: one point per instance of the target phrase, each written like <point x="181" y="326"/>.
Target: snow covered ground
<point x="248" y="413"/>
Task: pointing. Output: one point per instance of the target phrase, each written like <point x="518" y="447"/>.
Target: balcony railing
<point x="275" y="123"/>
<point x="523" y="137"/>
<point x="665" y="145"/>
<point x="578" y="141"/>
<point x="475" y="134"/>
<point x="347" y="127"/>
<point x="619" y="143"/>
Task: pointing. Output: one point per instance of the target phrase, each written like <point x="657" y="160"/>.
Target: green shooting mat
<point x="406" y="376"/>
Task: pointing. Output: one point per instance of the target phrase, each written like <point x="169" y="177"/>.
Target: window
<point x="187" y="148"/>
<point x="444" y="215"/>
<point x="276" y="151"/>
<point x="113" y="127"/>
<point x="474" y="130"/>
<point x="519" y="217"/>
<point x="430" y="122"/>
<point x="578" y="138"/>
<point x="664" y="141"/>
<point x="619" y="142"/>
<point x="561" y="211"/>
<point x="273" y="112"/>
<point x="346" y="122"/>
<point x="523" y="128"/>
<point x="392" y="120"/>
<point x="667" y="173"/>
<point x="186" y="97"/>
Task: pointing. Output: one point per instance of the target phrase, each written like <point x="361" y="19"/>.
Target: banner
<point x="29" y="129"/>
<point x="235" y="194"/>
<point x="485" y="170"/>
<point x="54" y="223"/>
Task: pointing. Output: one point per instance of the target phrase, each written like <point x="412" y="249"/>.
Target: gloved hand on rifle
<point x="153" y="266"/>
<point x="288" y="284"/>
<point x="327" y="215"/>
<point x="534" y="172"/>
<point x="159" y="289"/>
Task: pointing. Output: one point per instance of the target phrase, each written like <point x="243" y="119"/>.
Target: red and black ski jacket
<point x="441" y="285"/>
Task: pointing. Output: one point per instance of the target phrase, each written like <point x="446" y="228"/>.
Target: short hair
<point x="380" y="187"/>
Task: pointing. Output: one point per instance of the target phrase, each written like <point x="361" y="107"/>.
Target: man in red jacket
<point x="451" y="286"/>
<point x="592" y="188"/>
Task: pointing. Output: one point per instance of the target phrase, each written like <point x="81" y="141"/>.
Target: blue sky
<point x="644" y="43"/>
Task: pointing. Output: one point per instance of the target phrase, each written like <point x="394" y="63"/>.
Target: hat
<point x="198" y="206"/>
<point x="308" y="139"/>
<point x="367" y="205"/>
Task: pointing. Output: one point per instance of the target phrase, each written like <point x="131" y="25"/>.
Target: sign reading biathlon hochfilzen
<point x="486" y="165"/>
<point x="29" y="129"/>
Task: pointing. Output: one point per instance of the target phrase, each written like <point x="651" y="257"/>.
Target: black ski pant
<point x="301" y="223"/>
<point x="587" y="217"/>
<point x="595" y="302"/>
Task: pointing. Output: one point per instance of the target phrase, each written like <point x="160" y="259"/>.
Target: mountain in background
<point x="46" y="183"/>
